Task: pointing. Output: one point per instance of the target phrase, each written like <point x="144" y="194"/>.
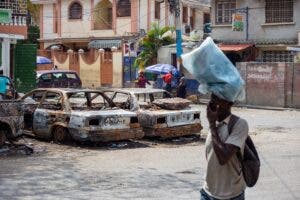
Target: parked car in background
<point x="11" y="116"/>
<point x="165" y="121"/>
<point x="79" y="114"/>
<point x="58" y="79"/>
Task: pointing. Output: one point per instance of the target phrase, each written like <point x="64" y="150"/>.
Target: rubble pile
<point x="172" y="103"/>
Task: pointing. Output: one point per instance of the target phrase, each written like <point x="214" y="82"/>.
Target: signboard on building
<point x="5" y="16"/>
<point x="237" y="22"/>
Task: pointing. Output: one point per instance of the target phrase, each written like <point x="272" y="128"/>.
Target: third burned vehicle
<point x="170" y="120"/>
<point x="80" y="114"/>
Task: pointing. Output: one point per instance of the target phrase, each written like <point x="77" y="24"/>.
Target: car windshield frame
<point x="87" y="103"/>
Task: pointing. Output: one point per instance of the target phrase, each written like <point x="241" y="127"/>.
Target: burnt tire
<point x="2" y="137"/>
<point x="60" y="134"/>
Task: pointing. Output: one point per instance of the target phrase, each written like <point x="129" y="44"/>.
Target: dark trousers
<point x="205" y="196"/>
<point x="168" y="87"/>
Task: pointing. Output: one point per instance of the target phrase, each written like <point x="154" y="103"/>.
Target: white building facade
<point x="76" y="23"/>
<point x="12" y="28"/>
<point x="273" y="25"/>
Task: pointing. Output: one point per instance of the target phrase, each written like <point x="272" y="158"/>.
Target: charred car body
<point x="173" y="120"/>
<point x="83" y="115"/>
<point x="11" y="116"/>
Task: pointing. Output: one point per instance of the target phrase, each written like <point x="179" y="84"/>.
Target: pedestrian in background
<point x="167" y="78"/>
<point x="142" y="80"/>
<point x="224" y="177"/>
<point x="181" y="88"/>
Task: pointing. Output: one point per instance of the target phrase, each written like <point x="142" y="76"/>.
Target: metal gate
<point x="130" y="72"/>
<point x="25" y="67"/>
<point x="296" y="86"/>
<point x="107" y="70"/>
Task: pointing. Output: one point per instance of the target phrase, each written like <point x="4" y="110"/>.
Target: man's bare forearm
<point x="223" y="151"/>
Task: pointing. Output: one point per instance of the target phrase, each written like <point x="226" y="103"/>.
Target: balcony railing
<point x="16" y="6"/>
<point x="17" y="20"/>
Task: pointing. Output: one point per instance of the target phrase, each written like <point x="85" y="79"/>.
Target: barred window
<point x="123" y="8"/>
<point x="224" y="11"/>
<point x="277" y="56"/>
<point x="75" y="11"/>
<point x="278" y="11"/>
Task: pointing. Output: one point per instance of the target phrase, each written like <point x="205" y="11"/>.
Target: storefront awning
<point x="234" y="47"/>
<point x="101" y="44"/>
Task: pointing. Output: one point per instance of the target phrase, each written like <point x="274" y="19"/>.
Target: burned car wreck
<point x="11" y="116"/>
<point x="159" y="113"/>
<point x="79" y="114"/>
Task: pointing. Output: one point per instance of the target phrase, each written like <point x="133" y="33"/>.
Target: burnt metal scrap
<point x="11" y="114"/>
<point x="159" y="113"/>
<point x="82" y="115"/>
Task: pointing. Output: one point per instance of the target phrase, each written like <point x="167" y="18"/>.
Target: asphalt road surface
<point x="147" y="169"/>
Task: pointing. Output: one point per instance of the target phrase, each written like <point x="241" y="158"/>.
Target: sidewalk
<point x="205" y="101"/>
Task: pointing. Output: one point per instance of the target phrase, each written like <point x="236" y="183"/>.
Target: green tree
<point x="34" y="11"/>
<point x="155" y="38"/>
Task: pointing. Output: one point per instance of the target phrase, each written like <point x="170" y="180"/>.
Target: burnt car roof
<point x="66" y="90"/>
<point x="135" y="90"/>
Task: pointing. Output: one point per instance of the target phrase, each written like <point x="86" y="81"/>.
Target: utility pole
<point x="175" y="9"/>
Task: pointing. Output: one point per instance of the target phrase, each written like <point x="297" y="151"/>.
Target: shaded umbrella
<point x="43" y="60"/>
<point x="162" y="69"/>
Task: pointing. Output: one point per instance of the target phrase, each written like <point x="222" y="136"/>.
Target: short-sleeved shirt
<point x="226" y="181"/>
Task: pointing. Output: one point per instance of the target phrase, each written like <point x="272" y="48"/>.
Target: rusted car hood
<point x="103" y="113"/>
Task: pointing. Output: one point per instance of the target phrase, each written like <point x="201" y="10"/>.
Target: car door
<point x="30" y="104"/>
<point x="48" y="112"/>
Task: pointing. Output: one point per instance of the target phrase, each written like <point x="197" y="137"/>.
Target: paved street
<point x="152" y="169"/>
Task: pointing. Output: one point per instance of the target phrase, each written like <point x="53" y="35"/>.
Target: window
<point x="157" y="10"/>
<point x="103" y="15"/>
<point x="122" y="100"/>
<point x="71" y="76"/>
<point x="123" y="8"/>
<point x="34" y="97"/>
<point x="278" y="11"/>
<point x="75" y="11"/>
<point x="185" y="15"/>
<point x="224" y="11"/>
<point x="87" y="101"/>
<point x="46" y="77"/>
<point x="277" y="56"/>
<point x="52" y="101"/>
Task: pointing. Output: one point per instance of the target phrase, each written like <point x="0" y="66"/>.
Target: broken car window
<point x="52" y="101"/>
<point x="87" y="101"/>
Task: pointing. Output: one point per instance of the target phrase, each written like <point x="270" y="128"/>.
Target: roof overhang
<point x="101" y="44"/>
<point x="234" y="47"/>
<point x="12" y="36"/>
<point x="43" y="1"/>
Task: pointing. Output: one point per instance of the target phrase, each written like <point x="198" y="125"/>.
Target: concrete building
<point x="99" y="24"/>
<point x="13" y="27"/>
<point x="273" y="25"/>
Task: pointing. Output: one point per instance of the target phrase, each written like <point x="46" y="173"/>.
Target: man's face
<point x="220" y="106"/>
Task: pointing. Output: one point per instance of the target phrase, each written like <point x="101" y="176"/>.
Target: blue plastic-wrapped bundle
<point x="214" y="71"/>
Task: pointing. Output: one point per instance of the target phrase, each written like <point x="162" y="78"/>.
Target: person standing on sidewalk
<point x="142" y="80"/>
<point x="167" y="78"/>
<point x="224" y="177"/>
<point x="181" y="88"/>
